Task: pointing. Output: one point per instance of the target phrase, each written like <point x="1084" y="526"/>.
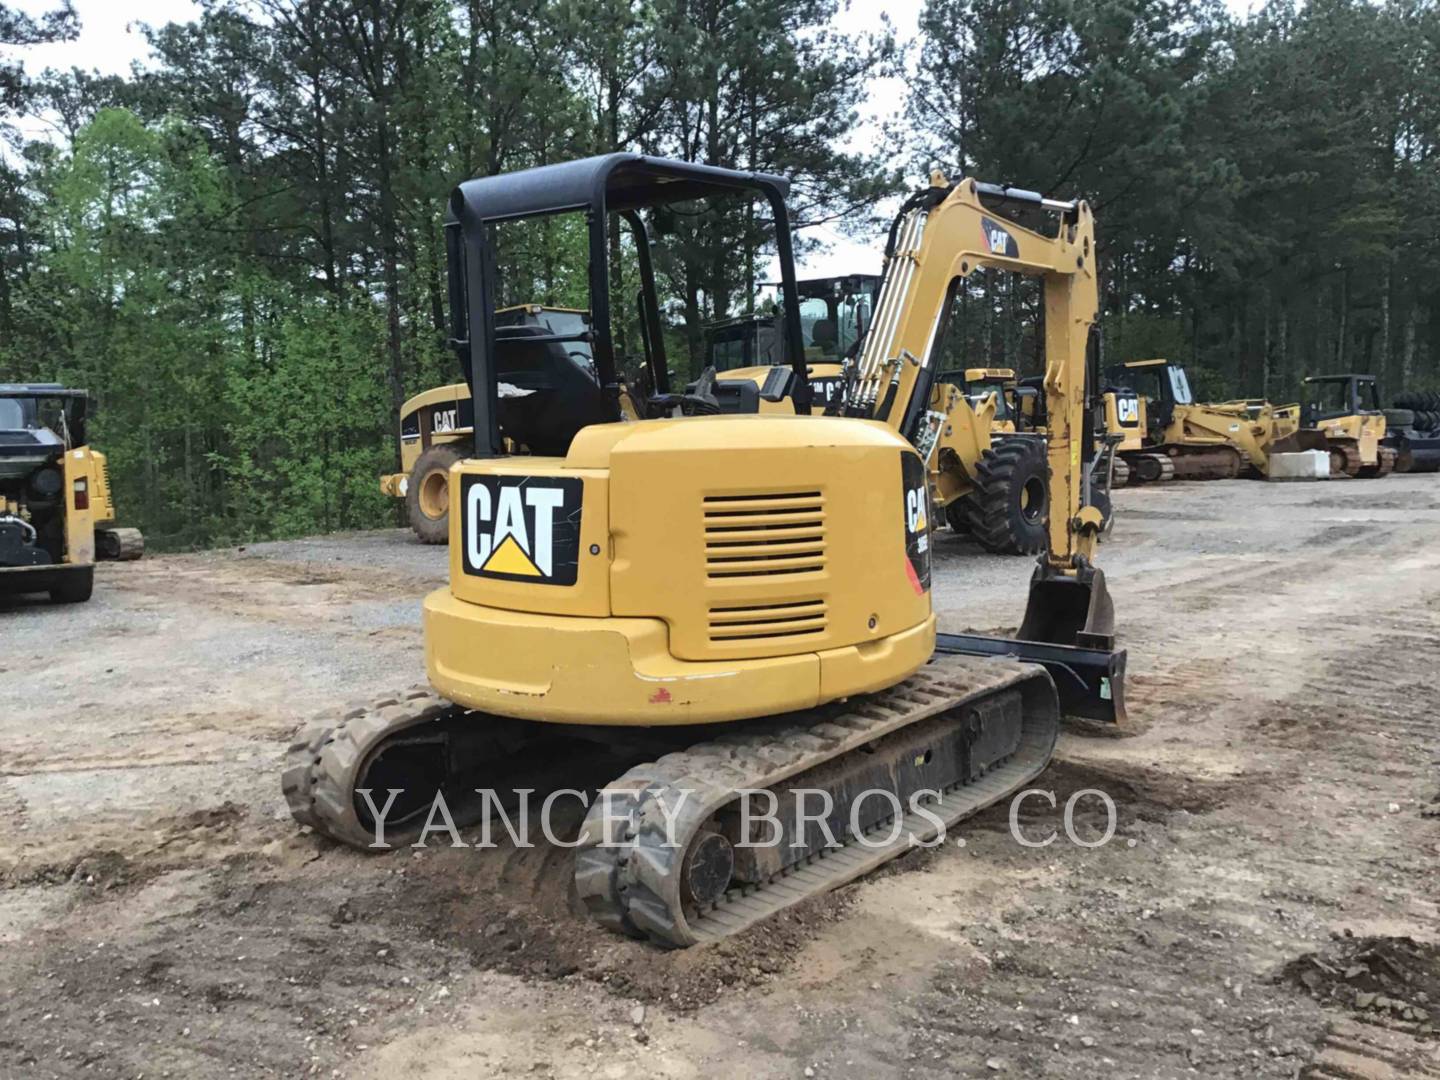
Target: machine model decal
<point x="826" y="389"/>
<point x="522" y="528"/>
<point x="917" y="520"/>
<point x="445" y="417"/>
<point x="998" y="240"/>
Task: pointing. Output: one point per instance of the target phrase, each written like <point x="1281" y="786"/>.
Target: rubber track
<point x="324" y="761"/>
<point x="632" y="884"/>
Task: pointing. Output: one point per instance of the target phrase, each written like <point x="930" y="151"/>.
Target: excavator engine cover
<point x="685" y="571"/>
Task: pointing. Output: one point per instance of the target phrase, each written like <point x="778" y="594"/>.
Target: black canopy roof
<point x="620" y="181"/>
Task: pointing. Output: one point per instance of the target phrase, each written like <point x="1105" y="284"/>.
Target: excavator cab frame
<point x="612" y="186"/>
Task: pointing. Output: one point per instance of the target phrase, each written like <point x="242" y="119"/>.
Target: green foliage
<point x="1267" y="192"/>
<point x="240" y="251"/>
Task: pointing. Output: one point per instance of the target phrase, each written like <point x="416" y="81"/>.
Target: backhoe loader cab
<point x="834" y="314"/>
<point x="980" y="384"/>
<point x="54" y="496"/>
<point x="1345" y="410"/>
<point x="437" y="424"/>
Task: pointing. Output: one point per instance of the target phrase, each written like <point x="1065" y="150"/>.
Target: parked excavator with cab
<point x="1345" y="410"/>
<point x="55" y="507"/>
<point x="739" y="601"/>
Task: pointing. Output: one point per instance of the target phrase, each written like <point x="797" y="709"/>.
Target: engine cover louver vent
<point x="764" y="534"/>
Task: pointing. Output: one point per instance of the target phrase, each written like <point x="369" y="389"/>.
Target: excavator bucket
<point x="1067" y="610"/>
<point x="1069" y="629"/>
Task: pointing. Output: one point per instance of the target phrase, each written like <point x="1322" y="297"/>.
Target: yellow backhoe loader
<point x="437" y="424"/>
<point x="738" y="601"/>
<point x="54" y="496"/>
<point x="834" y="315"/>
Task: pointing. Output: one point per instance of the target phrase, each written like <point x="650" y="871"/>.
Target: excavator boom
<point x="942" y="235"/>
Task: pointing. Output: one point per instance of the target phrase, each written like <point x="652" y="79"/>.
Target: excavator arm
<point x="942" y="235"/>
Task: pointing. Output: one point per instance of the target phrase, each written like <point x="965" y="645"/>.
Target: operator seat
<point x="557" y="396"/>
<point x="822" y="335"/>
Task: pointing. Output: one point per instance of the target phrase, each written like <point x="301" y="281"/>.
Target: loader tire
<point x="1399" y="418"/>
<point x="1010" y="504"/>
<point x="956" y="518"/>
<point x="75" y="587"/>
<point x="427" y="496"/>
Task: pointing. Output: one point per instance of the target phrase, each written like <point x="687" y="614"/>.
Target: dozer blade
<point x="1069" y="629"/>
<point x="1090" y="682"/>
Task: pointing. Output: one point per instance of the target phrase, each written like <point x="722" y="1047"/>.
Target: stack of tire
<point x="1424" y="407"/>
<point x="1413" y="428"/>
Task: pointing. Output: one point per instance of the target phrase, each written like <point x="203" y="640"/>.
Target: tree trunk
<point x="1382" y="366"/>
<point x="1407" y="350"/>
<point x="1344" y="327"/>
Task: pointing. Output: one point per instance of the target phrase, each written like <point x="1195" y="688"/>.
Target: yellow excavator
<point x="737" y="604"/>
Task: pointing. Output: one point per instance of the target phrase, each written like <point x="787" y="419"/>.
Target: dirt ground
<point x="1266" y="908"/>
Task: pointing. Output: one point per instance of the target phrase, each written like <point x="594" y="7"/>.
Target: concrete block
<point x="1305" y="465"/>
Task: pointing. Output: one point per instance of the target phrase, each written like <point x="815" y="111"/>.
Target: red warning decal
<point x="660" y="697"/>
